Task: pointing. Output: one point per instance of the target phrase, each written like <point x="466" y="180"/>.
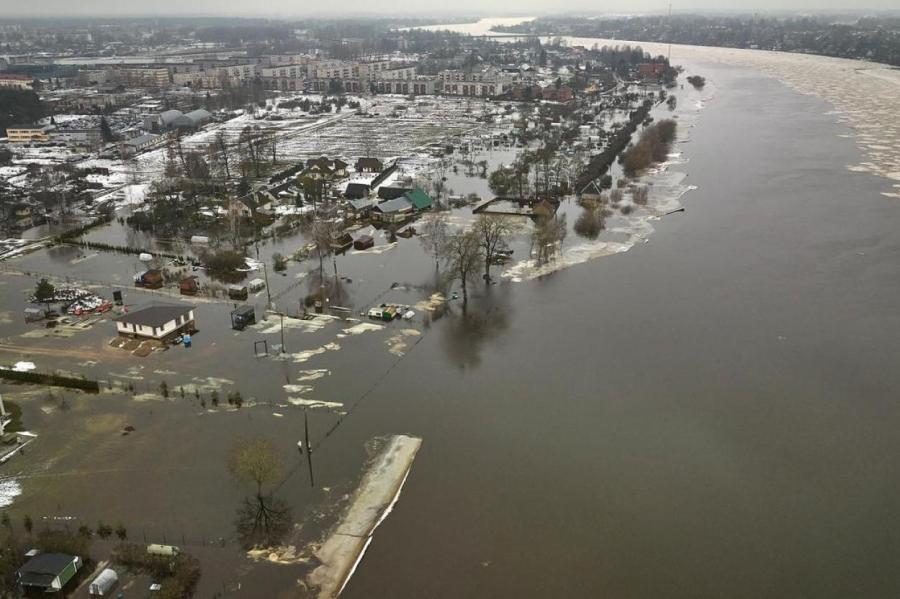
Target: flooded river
<point x="709" y="414"/>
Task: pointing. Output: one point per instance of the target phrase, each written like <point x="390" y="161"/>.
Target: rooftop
<point x="155" y="315"/>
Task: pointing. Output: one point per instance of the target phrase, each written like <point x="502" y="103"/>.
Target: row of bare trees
<point x="465" y="253"/>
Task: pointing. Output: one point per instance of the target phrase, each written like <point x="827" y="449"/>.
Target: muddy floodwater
<point x="711" y="413"/>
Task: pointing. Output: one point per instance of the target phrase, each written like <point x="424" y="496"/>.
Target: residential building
<point x="199" y="80"/>
<point x="79" y="138"/>
<point x="48" y="572"/>
<point x="285" y="84"/>
<point x="157" y="77"/>
<point x="419" y="86"/>
<point x="157" y="321"/>
<point x="369" y="165"/>
<point x="28" y="133"/>
<point x="14" y="81"/>
<point x="239" y="73"/>
<point x="489" y="81"/>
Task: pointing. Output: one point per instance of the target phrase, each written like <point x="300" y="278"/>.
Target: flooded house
<point x="341" y="242"/>
<point x="157" y="321"/>
<point x="364" y="242"/>
<point x="411" y="202"/>
<point x="238" y="292"/>
<point x="242" y="316"/>
<point x="189" y="286"/>
<point x="150" y="279"/>
<point x="48" y="572"/>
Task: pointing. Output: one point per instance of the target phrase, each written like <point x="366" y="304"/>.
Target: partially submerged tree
<point x="323" y="232"/>
<point x="433" y="234"/>
<point x="547" y="237"/>
<point x="492" y="231"/>
<point x="463" y="254"/>
<point x="262" y="520"/>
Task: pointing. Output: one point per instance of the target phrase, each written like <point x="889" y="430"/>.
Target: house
<point x="554" y="94"/>
<point x="48" y="572"/>
<point x="651" y="69"/>
<point x="241" y="207"/>
<point x="390" y="193"/>
<point x="326" y="168"/>
<point x="393" y="210"/>
<point x="419" y="199"/>
<point x="369" y="165"/>
<point x="356" y="191"/>
<point x="362" y="205"/>
<point x="157" y="321"/>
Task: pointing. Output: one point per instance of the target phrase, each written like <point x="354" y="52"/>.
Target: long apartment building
<point x="14" y="81"/>
<point x="486" y="82"/>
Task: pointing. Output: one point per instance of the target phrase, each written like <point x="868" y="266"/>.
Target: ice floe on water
<point x="314" y="403"/>
<point x="9" y="490"/>
<point x="314" y="374"/>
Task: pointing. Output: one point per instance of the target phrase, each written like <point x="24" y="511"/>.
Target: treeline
<point x="599" y="164"/>
<point x="869" y="38"/>
<point x="652" y="147"/>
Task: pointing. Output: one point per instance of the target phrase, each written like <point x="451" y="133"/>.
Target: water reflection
<point x="467" y="331"/>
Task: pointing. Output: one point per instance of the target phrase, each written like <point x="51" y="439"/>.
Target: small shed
<point x="341" y="242"/>
<point x="238" y="292"/>
<point x="33" y="314"/>
<point x="189" y="286"/>
<point x="104" y="583"/>
<point x="151" y="279"/>
<point x="242" y="316"/>
<point x="364" y="242"/>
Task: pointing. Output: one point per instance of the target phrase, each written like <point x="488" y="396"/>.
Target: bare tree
<point x="255" y="461"/>
<point x="433" y="236"/>
<point x="323" y="235"/>
<point x="492" y="231"/>
<point x="547" y="238"/>
<point x="262" y="520"/>
<point x="252" y="144"/>
<point x="223" y="151"/>
<point x="463" y="255"/>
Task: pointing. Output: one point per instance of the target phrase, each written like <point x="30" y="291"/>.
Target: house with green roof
<point x="419" y="199"/>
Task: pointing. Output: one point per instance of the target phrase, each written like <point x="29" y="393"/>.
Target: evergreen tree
<point x="105" y="131"/>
